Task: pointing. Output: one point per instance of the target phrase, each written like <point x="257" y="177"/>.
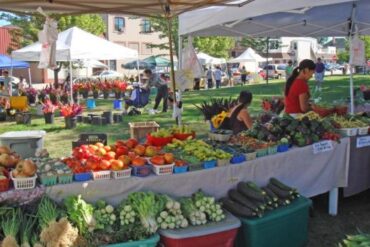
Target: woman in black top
<point x="239" y="117"/>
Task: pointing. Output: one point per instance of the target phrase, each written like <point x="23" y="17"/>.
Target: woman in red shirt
<point x="297" y="92"/>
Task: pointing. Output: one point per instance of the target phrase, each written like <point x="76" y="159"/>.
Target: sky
<point x="3" y="22"/>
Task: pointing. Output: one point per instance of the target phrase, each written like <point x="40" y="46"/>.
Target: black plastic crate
<point x="86" y="139"/>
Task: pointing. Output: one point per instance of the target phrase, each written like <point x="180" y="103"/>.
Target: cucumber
<point x="238" y="197"/>
<point x="254" y="186"/>
<point x="237" y="209"/>
<point x="271" y="194"/>
<point x="282" y="186"/>
<point x="245" y="190"/>
<point x="279" y="192"/>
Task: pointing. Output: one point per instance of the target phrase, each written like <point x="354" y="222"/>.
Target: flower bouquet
<point x="48" y="108"/>
<point x="31" y="94"/>
<point x="119" y="87"/>
<point x="69" y="112"/>
<point x="274" y="105"/>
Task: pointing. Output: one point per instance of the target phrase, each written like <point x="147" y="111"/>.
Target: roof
<point x="5" y="40"/>
<point x="132" y="7"/>
<point x="7" y="63"/>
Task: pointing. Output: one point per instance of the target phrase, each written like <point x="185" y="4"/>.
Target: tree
<point x="160" y="25"/>
<point x="29" y="26"/>
<point x="343" y="56"/>
<point x="260" y="44"/>
<point x="215" y="46"/>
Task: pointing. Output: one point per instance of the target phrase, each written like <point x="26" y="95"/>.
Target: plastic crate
<point x="285" y="226"/>
<point x="215" y="234"/>
<point x="139" y="130"/>
<point x="24" y="143"/>
<point x="219" y="137"/>
<point x="262" y="152"/>
<point x="180" y="169"/>
<point x="23" y="183"/>
<point x="126" y="173"/>
<point x="363" y="131"/>
<point x="348" y="131"/>
<point x="48" y="180"/>
<point x="272" y="150"/>
<point x="150" y="242"/>
<point x="223" y="162"/>
<point x="141" y="171"/>
<point x="163" y="170"/>
<point x="209" y="164"/>
<point x="101" y="175"/>
<point x="282" y="148"/>
<point x="80" y="177"/>
<point x="86" y="139"/>
<point x="65" y="178"/>
<point x="237" y="159"/>
<point x="18" y="102"/>
<point x="251" y="156"/>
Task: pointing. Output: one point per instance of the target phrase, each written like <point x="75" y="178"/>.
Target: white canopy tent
<point x="76" y="44"/>
<point x="206" y="59"/>
<point x="250" y="59"/>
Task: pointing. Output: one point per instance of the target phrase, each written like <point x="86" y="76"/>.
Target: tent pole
<point x="350" y="35"/>
<point x="138" y="68"/>
<point x="169" y="22"/>
<point x="267" y="59"/>
<point x="29" y="77"/>
<point x="70" y="80"/>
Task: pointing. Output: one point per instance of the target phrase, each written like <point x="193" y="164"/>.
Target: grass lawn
<point x="58" y="140"/>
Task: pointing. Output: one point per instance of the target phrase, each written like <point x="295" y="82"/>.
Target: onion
<point x="27" y="167"/>
<point x="6" y="160"/>
<point x="5" y="150"/>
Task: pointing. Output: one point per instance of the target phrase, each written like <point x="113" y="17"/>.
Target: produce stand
<point x="310" y="174"/>
<point x="359" y="169"/>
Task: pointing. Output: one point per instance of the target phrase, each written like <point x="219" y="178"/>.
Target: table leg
<point x="333" y="202"/>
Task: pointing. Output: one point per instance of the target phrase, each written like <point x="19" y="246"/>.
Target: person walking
<point x="154" y="80"/>
<point x="209" y="75"/>
<point x="319" y="74"/>
<point x="218" y="76"/>
<point x="289" y="69"/>
<point x="243" y="75"/>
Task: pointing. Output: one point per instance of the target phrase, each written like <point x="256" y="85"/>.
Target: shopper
<point x="297" y="92"/>
<point x="209" y="76"/>
<point x="319" y="74"/>
<point x="162" y="89"/>
<point x="218" y="76"/>
<point x="243" y="75"/>
<point x="289" y="69"/>
<point x="6" y="87"/>
<point x="239" y="118"/>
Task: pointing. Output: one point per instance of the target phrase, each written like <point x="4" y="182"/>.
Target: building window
<point x="146" y="49"/>
<point x="134" y="46"/>
<point x="119" y="24"/>
<point x="120" y="43"/>
<point x="112" y="64"/>
<point x="146" y="26"/>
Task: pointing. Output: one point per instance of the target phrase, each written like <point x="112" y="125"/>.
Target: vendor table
<point x="312" y="174"/>
<point x="359" y="167"/>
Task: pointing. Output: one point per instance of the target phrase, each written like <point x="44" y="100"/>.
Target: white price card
<point x="363" y="141"/>
<point x="323" y="146"/>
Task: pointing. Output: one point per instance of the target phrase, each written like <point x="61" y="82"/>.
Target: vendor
<point x="5" y="86"/>
<point x="297" y="92"/>
<point x="239" y="118"/>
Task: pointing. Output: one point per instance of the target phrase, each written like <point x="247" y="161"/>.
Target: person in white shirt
<point x="218" y="76"/>
<point x="209" y="75"/>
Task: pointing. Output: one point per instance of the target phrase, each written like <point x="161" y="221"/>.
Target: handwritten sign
<point x="363" y="141"/>
<point x="323" y="146"/>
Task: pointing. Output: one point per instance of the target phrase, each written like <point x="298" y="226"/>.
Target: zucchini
<point x="245" y="190"/>
<point x="284" y="202"/>
<point x="254" y="186"/>
<point x="237" y="209"/>
<point x="279" y="192"/>
<point x="238" y="197"/>
<point x="271" y="194"/>
<point x="280" y="185"/>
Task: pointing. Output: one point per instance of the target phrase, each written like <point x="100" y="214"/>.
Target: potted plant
<point x="31" y="94"/>
<point x="64" y="97"/>
<point x="105" y="87"/>
<point x="365" y="91"/>
<point x="70" y="112"/>
<point x="119" y="87"/>
<point x="275" y="105"/>
<point x="95" y="89"/>
<point x="48" y="109"/>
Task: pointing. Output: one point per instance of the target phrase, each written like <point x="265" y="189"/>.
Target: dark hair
<point x="290" y="62"/>
<point x="304" y="64"/>
<point x="148" y="71"/>
<point x="245" y="97"/>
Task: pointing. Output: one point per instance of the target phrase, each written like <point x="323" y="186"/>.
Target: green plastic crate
<point x="262" y="152"/>
<point x="272" y="150"/>
<point x="283" y="227"/>
<point x="48" y="180"/>
<point x="65" y="178"/>
<point x="150" y="242"/>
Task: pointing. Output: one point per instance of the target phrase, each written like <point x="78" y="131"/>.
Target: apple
<point x="150" y="151"/>
<point x="138" y="161"/>
<point x="111" y="155"/>
<point x="116" y="165"/>
<point x="157" y="160"/>
<point x="121" y="150"/>
<point x="132" y="155"/>
<point x="125" y="159"/>
<point x="107" y="148"/>
<point x="139" y="150"/>
<point x="99" y="144"/>
<point x="105" y="164"/>
<point x="131" y="143"/>
<point x="120" y="143"/>
<point x="169" y="158"/>
<point x="102" y="152"/>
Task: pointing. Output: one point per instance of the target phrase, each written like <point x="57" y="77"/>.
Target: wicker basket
<point x="140" y="130"/>
<point x="219" y="137"/>
<point x="23" y="183"/>
<point x="126" y="173"/>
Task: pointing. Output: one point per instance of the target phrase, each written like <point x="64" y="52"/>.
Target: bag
<point x="226" y="124"/>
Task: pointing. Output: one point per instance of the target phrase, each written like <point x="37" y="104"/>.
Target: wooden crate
<point x="139" y="130"/>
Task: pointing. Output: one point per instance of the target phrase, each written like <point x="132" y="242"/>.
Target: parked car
<point x="107" y="74"/>
<point x="275" y="71"/>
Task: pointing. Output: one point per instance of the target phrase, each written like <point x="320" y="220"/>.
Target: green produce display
<point x="358" y="240"/>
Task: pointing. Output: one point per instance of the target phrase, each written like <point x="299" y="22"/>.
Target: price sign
<point x="363" y="141"/>
<point x="323" y="146"/>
